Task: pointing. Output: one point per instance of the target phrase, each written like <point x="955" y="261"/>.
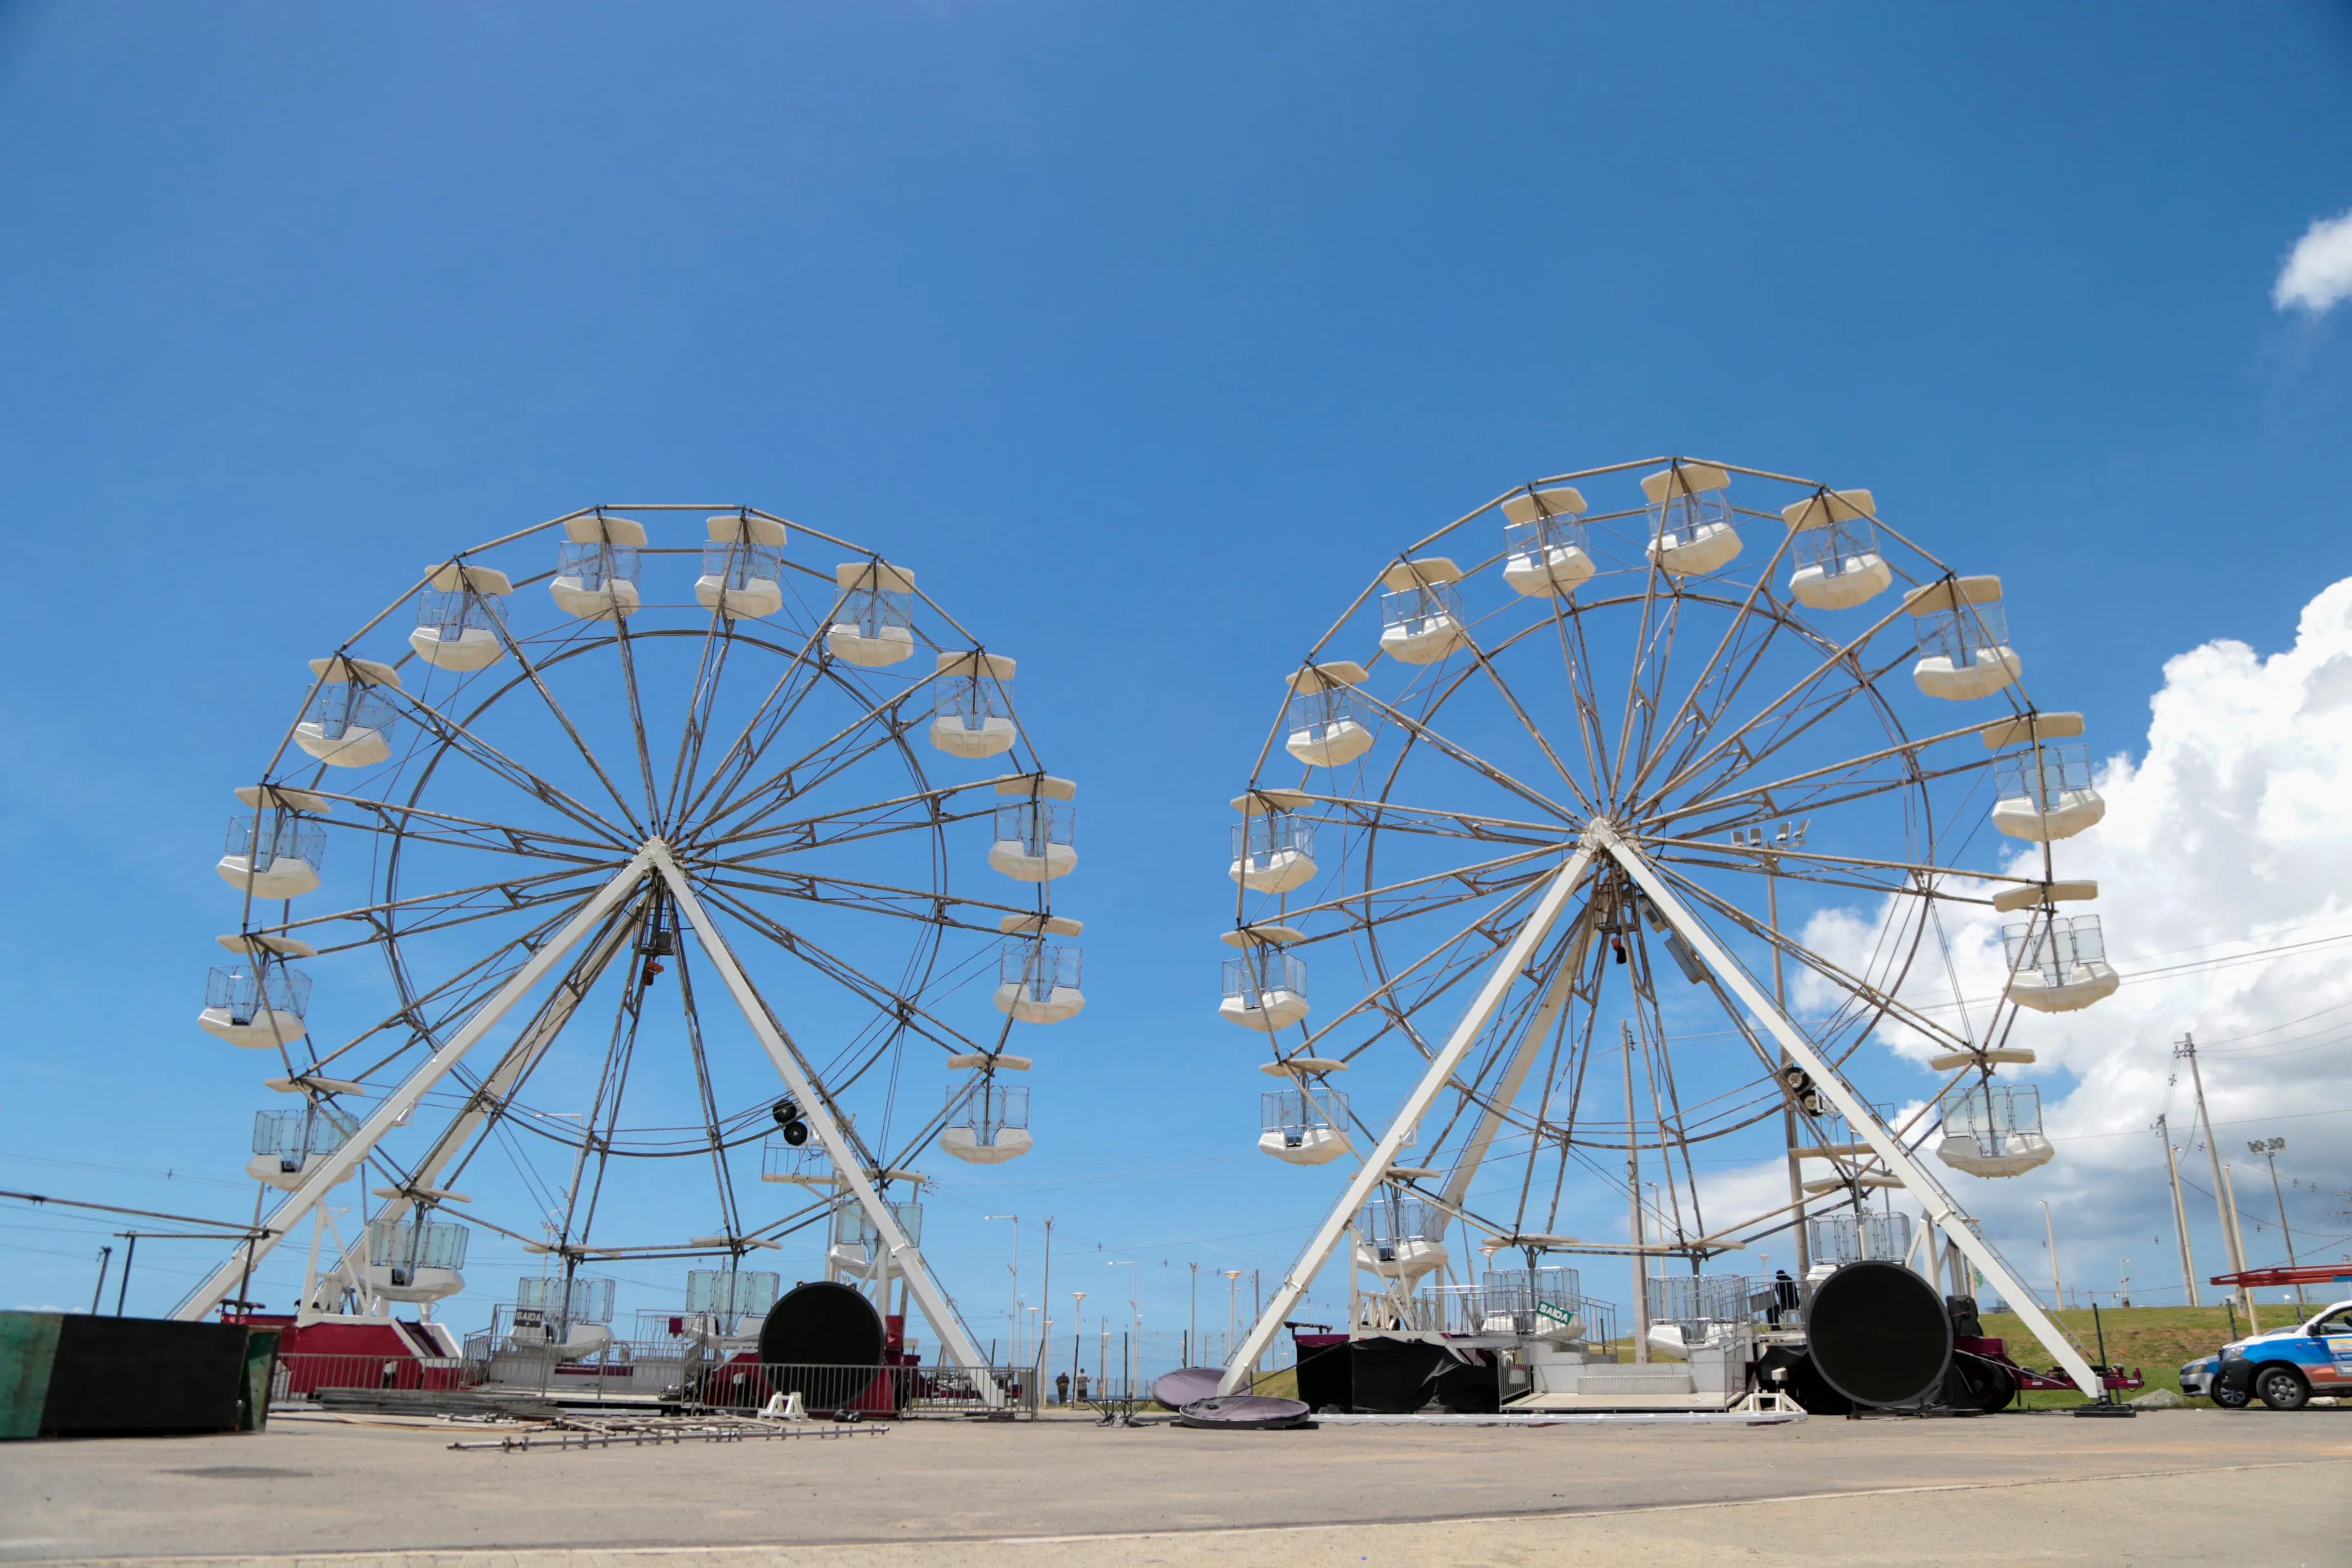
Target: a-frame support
<point x="397" y="1105"/>
<point x="1942" y="1212"/>
<point x="1481" y="1012"/>
<point x="1600" y="838"/>
<point x="906" y="1259"/>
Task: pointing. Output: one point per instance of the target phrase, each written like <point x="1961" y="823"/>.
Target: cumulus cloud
<point x="2318" y="271"/>
<point x="2222" y="863"/>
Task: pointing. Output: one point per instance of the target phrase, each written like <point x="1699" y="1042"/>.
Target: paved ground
<point x="2196" y="1486"/>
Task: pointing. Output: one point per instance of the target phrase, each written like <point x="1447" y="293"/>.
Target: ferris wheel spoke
<point x="851" y="824"/>
<point x="1393" y="817"/>
<point x="1469" y="759"/>
<point x="455" y="905"/>
<point x="1460" y="885"/>
<point x="1653" y="647"/>
<point x="730" y="1211"/>
<point x="530" y="671"/>
<point x="1763" y="796"/>
<point x="460" y="995"/>
<point x="1847" y="657"/>
<point x="877" y="722"/>
<point x="1577" y="654"/>
<point x="1719" y="683"/>
<point x="1793" y="723"/>
<point x="629" y="663"/>
<point x="874" y="730"/>
<point x="1874" y="999"/>
<point x="909" y="1013"/>
<point x="457" y="738"/>
<point x="1585" y="802"/>
<point x="1382" y="999"/>
<point x="399" y="821"/>
<point x="1917" y="877"/>
<point x="872" y="898"/>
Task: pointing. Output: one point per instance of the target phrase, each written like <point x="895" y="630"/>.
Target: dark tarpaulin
<point x="1382" y="1376"/>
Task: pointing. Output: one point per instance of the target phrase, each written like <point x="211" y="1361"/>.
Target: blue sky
<point x="1146" y="334"/>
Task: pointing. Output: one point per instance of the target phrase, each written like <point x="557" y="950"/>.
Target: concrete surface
<point x="2179" y="1486"/>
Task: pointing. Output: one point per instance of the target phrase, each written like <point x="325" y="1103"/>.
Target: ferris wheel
<point x="1610" y="821"/>
<point x="628" y="871"/>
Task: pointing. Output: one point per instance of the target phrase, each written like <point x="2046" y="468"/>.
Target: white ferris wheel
<point x="1547" y="817"/>
<point x="654" y="882"/>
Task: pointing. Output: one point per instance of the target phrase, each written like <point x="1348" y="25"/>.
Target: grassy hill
<point x="2154" y="1340"/>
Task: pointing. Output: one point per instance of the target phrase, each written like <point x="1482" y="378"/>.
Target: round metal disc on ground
<point x="1258" y="1411"/>
<point x="822" y="1325"/>
<point x="1878" y="1333"/>
<point x="1188" y="1385"/>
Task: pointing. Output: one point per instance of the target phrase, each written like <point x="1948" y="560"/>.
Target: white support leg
<point x="1942" y="1212"/>
<point x="1515" y="1076"/>
<point x="905" y="1259"/>
<point x="413" y="1089"/>
<point x="1474" y="1023"/>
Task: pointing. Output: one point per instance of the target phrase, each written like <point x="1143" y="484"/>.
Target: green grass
<point x="2154" y="1340"/>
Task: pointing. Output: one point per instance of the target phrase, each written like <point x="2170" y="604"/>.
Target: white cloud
<point x="2228" y="838"/>
<point x="2318" y="271"/>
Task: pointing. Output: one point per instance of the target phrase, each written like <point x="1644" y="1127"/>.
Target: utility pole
<point x="1634" y="1202"/>
<point x="2050" y="1232"/>
<point x="2230" y="1237"/>
<point x="2268" y="1148"/>
<point x="1233" y="1308"/>
<point x="1077" y="1337"/>
<point x="2179" y="1210"/>
<point x="1045" y="1296"/>
<point x="98" y="1291"/>
<point x="1014" y="1358"/>
<point x="1193" y="1336"/>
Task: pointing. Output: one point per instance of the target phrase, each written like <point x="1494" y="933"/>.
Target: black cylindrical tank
<point x="1879" y="1333"/>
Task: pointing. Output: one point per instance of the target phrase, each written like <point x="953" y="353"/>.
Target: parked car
<point x="2285" y="1367"/>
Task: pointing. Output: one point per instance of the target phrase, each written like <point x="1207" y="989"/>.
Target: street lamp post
<point x="2268" y="1148"/>
<point x="1077" y="1337"/>
<point x="1233" y="1302"/>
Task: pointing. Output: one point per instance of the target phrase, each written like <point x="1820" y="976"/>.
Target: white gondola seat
<point x="1324" y="726"/>
<point x="972" y="705"/>
<point x="2043" y="791"/>
<point x="1544" y="543"/>
<point x="1401" y="1238"/>
<point x="1302" y="1126"/>
<point x="1963" y="632"/>
<point x="1272" y="846"/>
<point x="596" y="568"/>
<point x="859" y="1248"/>
<point x="742" y="567"/>
<point x="875" y="626"/>
<point x="1835" y="549"/>
<point x="455" y="626"/>
<point x="1036" y="835"/>
<point x="1993" y="1130"/>
<point x="289" y="1145"/>
<point x="415" y="1260"/>
<point x="1037" y="982"/>
<point x="349" y="720"/>
<point x="258" y="1005"/>
<point x="1265" y="989"/>
<point x="1692" y="531"/>
<point x="1421" y="614"/>
<point x="987" y="1123"/>
<point x="277" y="852"/>
<point x="2058" y="963"/>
